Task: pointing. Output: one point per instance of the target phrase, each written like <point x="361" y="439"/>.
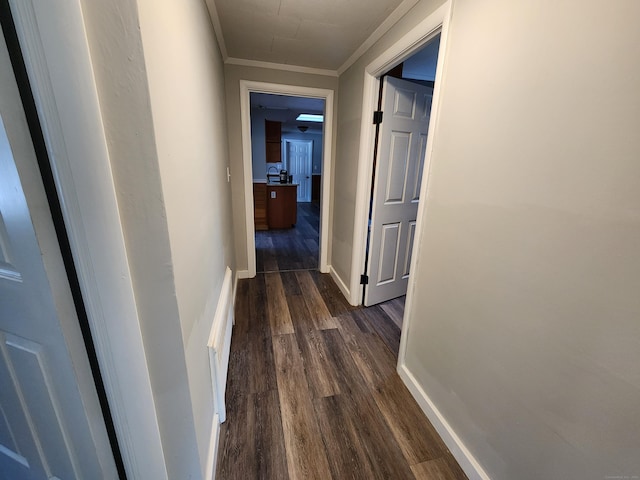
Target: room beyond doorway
<point x="287" y="149"/>
<point x="246" y="89"/>
<point x="290" y="249"/>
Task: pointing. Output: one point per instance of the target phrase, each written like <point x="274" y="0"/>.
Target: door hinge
<point x="377" y="117"/>
<point x="364" y="279"/>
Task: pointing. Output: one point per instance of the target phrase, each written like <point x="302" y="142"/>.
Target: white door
<point x="51" y="426"/>
<point x="299" y="166"/>
<point x="398" y="174"/>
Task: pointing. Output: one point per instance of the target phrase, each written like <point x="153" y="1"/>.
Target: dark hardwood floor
<point x="313" y="391"/>
<point x="292" y="248"/>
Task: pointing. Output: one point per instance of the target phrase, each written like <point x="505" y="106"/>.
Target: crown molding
<point x="217" y="28"/>
<point x="281" y="66"/>
<point x="400" y="11"/>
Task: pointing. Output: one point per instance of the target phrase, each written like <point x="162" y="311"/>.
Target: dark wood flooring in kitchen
<point x="313" y="391"/>
<point x="292" y="248"/>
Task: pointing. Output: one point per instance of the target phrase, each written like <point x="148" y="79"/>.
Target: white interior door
<point x="51" y="426"/>
<point x="299" y="166"/>
<point x="398" y="174"/>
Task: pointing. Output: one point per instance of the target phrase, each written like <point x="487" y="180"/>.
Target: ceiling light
<point x="310" y="117"/>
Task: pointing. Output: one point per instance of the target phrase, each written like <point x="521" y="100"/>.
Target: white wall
<point x="186" y="85"/>
<point x="122" y="84"/>
<point x="160" y="80"/>
<point x="524" y="326"/>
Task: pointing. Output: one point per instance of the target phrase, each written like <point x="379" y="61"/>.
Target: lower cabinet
<point x="282" y="206"/>
<point x="260" y="206"/>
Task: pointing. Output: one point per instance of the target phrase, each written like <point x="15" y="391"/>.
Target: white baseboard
<point x="341" y="285"/>
<point x="214" y="442"/>
<point x="465" y="459"/>
<point x="243" y="274"/>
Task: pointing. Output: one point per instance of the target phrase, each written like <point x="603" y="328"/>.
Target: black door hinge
<point x="377" y="117"/>
<point x="364" y="279"/>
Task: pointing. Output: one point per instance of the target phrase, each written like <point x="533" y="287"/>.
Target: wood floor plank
<point x="318" y="309"/>
<point x="374" y="360"/>
<point x="320" y="374"/>
<point x="437" y="469"/>
<point x="377" y="320"/>
<point x="290" y="284"/>
<point x="395" y="310"/>
<point x="333" y="298"/>
<point x="300" y="316"/>
<point x="415" y="435"/>
<point x="256" y="300"/>
<point x="346" y="452"/>
<point x="381" y="450"/>
<point x="237" y="449"/>
<point x="261" y="375"/>
<point x="306" y="456"/>
<point x="264" y="419"/>
<point x="277" y="309"/>
<point x="241" y="310"/>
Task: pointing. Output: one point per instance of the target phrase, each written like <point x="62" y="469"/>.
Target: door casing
<point x="246" y="88"/>
<point x="415" y="39"/>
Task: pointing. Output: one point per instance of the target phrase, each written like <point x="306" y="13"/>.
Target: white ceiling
<point x="318" y="34"/>
<point x="285" y="109"/>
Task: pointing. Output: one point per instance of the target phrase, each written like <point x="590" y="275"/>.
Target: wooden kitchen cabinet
<point x="260" y="206"/>
<point x="273" y="137"/>
<point x="282" y="206"/>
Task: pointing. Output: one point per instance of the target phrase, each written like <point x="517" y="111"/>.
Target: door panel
<point x="409" y="249"/>
<point x="388" y="253"/>
<point x="397" y="172"/>
<point x="396" y="192"/>
<point x="46" y="388"/>
<point x="299" y="166"/>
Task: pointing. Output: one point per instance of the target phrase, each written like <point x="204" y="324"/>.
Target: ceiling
<point x="317" y="34"/>
<point x="285" y="109"/>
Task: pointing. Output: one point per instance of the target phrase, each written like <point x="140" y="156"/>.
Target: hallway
<point x="313" y="392"/>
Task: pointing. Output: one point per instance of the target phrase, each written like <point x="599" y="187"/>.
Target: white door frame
<point x="435" y="23"/>
<point x="56" y="53"/>
<point x="246" y="88"/>
<point x="286" y="156"/>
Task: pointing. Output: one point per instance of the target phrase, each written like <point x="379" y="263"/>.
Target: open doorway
<point x="325" y="95"/>
<point x="405" y="96"/>
<point x="287" y="152"/>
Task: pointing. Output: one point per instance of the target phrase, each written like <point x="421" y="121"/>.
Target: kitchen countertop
<point x="277" y="183"/>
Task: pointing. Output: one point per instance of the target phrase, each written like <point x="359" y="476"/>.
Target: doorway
<point x="286" y="141"/>
<point x="323" y="157"/>
<point x="405" y="97"/>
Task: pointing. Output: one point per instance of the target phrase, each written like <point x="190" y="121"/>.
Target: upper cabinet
<point x="273" y="135"/>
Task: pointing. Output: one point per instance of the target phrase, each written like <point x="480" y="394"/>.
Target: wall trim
<point x="214" y="445"/>
<point x="402" y="49"/>
<point x="56" y="53"/>
<point x="280" y="66"/>
<point x="340" y="283"/>
<point x="467" y="461"/>
<point x="246" y="87"/>
<point x="217" y="28"/>
<point x="240" y="274"/>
